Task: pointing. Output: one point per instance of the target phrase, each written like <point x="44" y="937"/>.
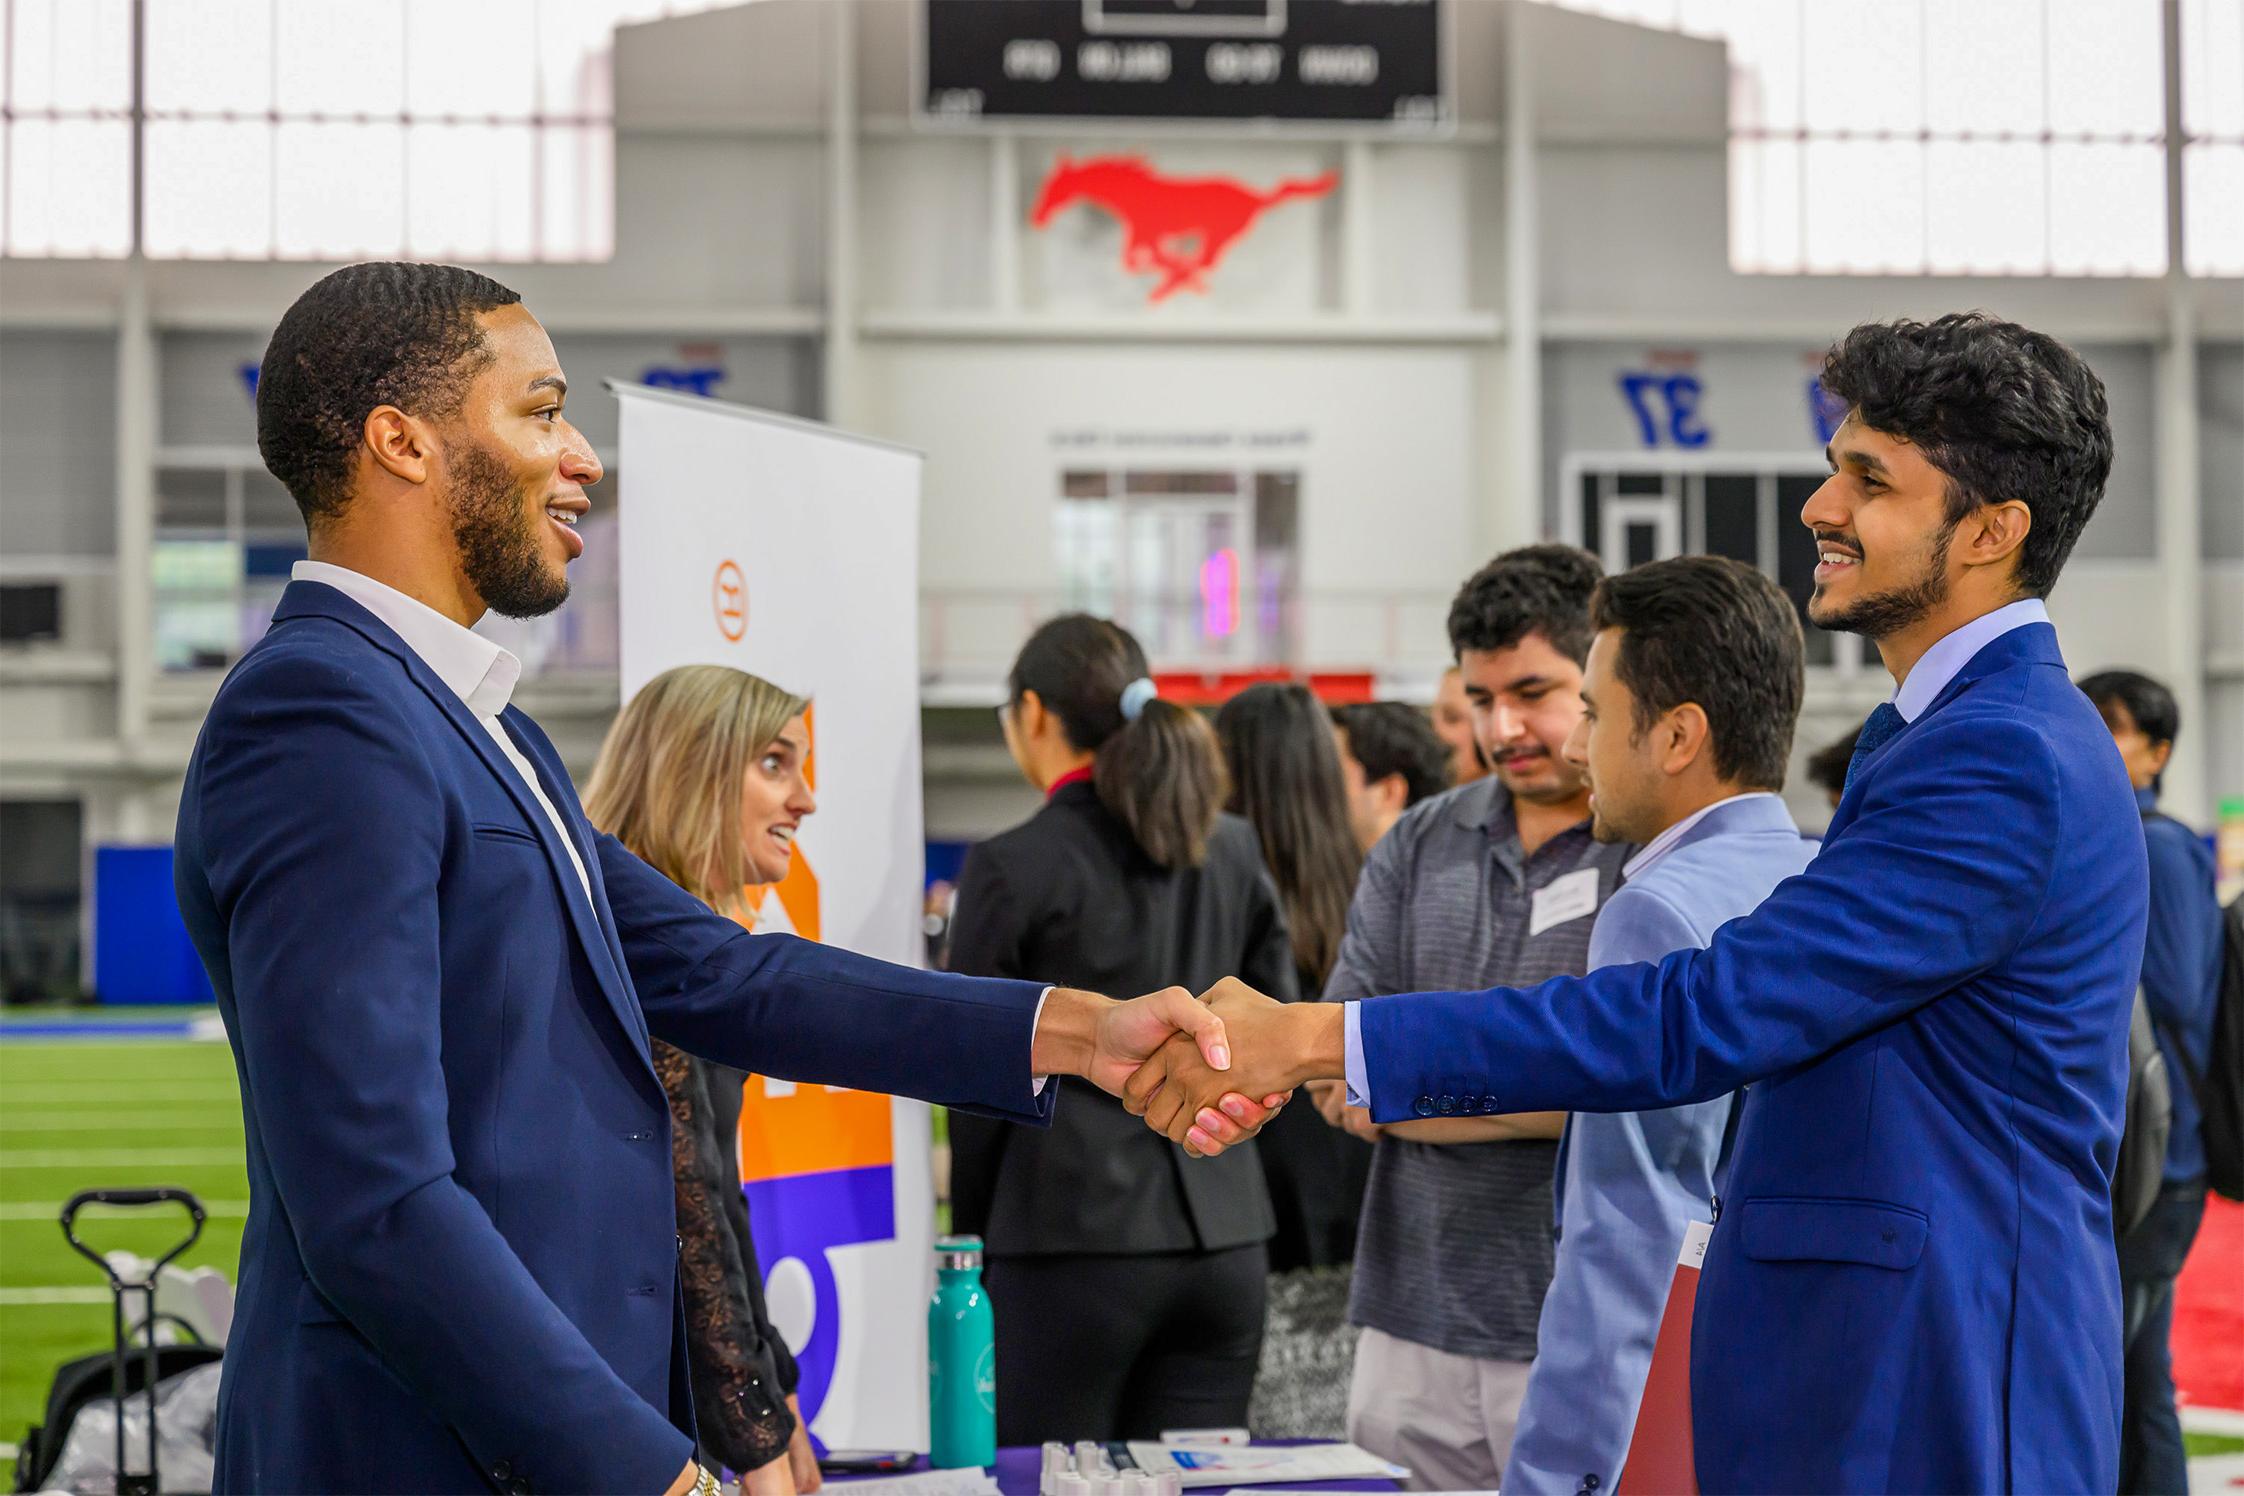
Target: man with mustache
<point x="1911" y="1283"/>
<point x="1495" y="881"/>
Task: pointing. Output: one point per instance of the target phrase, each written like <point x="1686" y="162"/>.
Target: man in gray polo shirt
<point x="1495" y="883"/>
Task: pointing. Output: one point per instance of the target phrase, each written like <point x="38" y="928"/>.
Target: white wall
<point x="58" y="431"/>
<point x="1382" y="437"/>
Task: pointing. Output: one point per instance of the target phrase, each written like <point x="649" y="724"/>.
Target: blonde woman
<point x="705" y="776"/>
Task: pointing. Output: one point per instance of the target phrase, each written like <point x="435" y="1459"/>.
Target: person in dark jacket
<point x="704" y="776"/>
<point x="2181" y="985"/>
<point x="1127" y="1279"/>
<point x="1286" y="780"/>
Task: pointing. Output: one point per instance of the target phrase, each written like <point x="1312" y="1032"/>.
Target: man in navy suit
<point x="459" y="1270"/>
<point x="1911" y="1283"/>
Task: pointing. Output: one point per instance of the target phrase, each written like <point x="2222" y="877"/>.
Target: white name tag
<point x="1565" y="899"/>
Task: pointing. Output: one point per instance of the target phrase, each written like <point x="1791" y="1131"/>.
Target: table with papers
<point x="1016" y="1472"/>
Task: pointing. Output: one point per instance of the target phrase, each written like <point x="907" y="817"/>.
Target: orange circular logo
<point x="729" y="595"/>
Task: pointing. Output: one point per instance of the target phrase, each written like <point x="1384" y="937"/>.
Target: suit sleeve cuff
<point x="1037" y="1083"/>
<point x="1359" y="1079"/>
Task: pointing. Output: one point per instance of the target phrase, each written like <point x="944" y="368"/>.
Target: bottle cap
<point x="1068" y="1483"/>
<point x="955" y="1253"/>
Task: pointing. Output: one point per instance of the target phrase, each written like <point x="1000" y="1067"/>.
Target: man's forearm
<point x="1066" y="1032"/>
<point x="1319" y="1050"/>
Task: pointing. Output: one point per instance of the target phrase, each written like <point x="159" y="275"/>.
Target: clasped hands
<point x="1206" y="1072"/>
<point x="1272" y="1048"/>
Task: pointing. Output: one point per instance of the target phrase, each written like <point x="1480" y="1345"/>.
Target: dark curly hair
<point x="2002" y="411"/>
<point x="1394" y="737"/>
<point x="1537" y="589"/>
<point x="385" y="333"/>
<point x="1715" y="631"/>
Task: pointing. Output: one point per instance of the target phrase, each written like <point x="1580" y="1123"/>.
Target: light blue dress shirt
<point x="1630" y="1183"/>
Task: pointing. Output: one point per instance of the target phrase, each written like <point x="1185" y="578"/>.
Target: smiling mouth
<point x="1833" y="560"/>
<point x="563" y="516"/>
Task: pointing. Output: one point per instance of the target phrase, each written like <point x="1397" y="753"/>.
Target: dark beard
<point x="498" y="536"/>
<point x="1882" y="614"/>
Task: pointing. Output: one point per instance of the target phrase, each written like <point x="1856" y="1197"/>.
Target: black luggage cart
<point x="80" y="1382"/>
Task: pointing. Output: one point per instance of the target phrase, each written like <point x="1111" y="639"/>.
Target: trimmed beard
<point x="1882" y="614"/>
<point x="501" y="547"/>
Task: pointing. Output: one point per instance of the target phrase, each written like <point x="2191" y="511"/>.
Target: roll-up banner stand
<point x="791" y="550"/>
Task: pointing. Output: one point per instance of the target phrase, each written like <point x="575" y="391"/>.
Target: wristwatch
<point x="704" y="1483"/>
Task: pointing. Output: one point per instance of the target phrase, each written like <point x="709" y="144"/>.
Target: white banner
<point x="791" y="550"/>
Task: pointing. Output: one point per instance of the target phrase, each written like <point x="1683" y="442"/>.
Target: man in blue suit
<point x="459" y="1269"/>
<point x="1911" y="1283"/>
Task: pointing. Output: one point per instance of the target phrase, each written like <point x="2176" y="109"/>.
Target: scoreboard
<point x="1362" y="61"/>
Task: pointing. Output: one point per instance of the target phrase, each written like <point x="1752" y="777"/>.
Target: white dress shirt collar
<point x="1668" y="840"/>
<point x="1955" y="650"/>
<point x="479" y="672"/>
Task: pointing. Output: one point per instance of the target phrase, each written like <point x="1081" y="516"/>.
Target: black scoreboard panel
<point x="1332" y="60"/>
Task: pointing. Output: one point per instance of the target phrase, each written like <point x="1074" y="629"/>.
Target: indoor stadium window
<point x="2004" y="137"/>
<point x="261" y="138"/>
<point x="1200" y="564"/>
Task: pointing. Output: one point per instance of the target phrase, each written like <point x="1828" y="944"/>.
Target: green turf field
<point x="77" y="1114"/>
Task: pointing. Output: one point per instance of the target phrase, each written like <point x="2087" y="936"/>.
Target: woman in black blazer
<point x="1127" y="1278"/>
<point x="1285" y="781"/>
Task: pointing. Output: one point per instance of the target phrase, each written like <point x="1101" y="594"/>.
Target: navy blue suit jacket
<point x="459" y="1271"/>
<point x="1912" y="1285"/>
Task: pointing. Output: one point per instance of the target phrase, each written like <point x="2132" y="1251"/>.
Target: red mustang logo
<point x="1175" y="227"/>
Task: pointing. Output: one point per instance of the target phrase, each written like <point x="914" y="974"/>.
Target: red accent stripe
<point x="1072" y="776"/>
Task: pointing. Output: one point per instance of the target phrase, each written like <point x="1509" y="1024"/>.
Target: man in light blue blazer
<point x="1912" y="1285"/>
<point x="1692" y="688"/>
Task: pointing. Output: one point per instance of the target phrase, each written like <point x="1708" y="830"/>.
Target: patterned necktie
<point x="1877" y="729"/>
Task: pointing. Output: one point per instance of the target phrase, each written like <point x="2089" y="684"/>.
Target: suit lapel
<point x="558" y="790"/>
<point x="605" y="958"/>
<point x="2025" y="646"/>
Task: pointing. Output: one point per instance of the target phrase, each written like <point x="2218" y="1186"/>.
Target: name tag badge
<point x="1563" y="899"/>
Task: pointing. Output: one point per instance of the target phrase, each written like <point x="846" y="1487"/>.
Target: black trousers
<point x="2151" y="1460"/>
<point x="1122" y="1347"/>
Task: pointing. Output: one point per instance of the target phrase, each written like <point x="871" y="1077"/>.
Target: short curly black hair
<point x="1394" y="737"/>
<point x="2003" y="411"/>
<point x="1537" y="589"/>
<point x="383" y="333"/>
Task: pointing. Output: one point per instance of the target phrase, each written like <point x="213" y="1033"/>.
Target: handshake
<point x="1205" y="1073"/>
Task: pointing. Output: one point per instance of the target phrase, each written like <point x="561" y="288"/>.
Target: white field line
<point x="2197" y="1420"/>
<point x="19" y="1096"/>
<point x="112" y="1158"/>
<point x="21" y="1298"/>
<point x="51" y="1210"/>
<point x="117" y="1122"/>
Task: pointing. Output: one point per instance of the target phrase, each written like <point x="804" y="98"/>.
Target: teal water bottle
<point x="961" y="1360"/>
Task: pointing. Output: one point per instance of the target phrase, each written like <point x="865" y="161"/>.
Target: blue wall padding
<point x="141" y="950"/>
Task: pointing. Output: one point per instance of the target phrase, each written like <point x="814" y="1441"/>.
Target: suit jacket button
<point x="518" y="1486"/>
<point x="1446" y="1105"/>
<point x="1423" y="1106"/>
<point x="1490" y="1106"/>
<point x="501" y="1472"/>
